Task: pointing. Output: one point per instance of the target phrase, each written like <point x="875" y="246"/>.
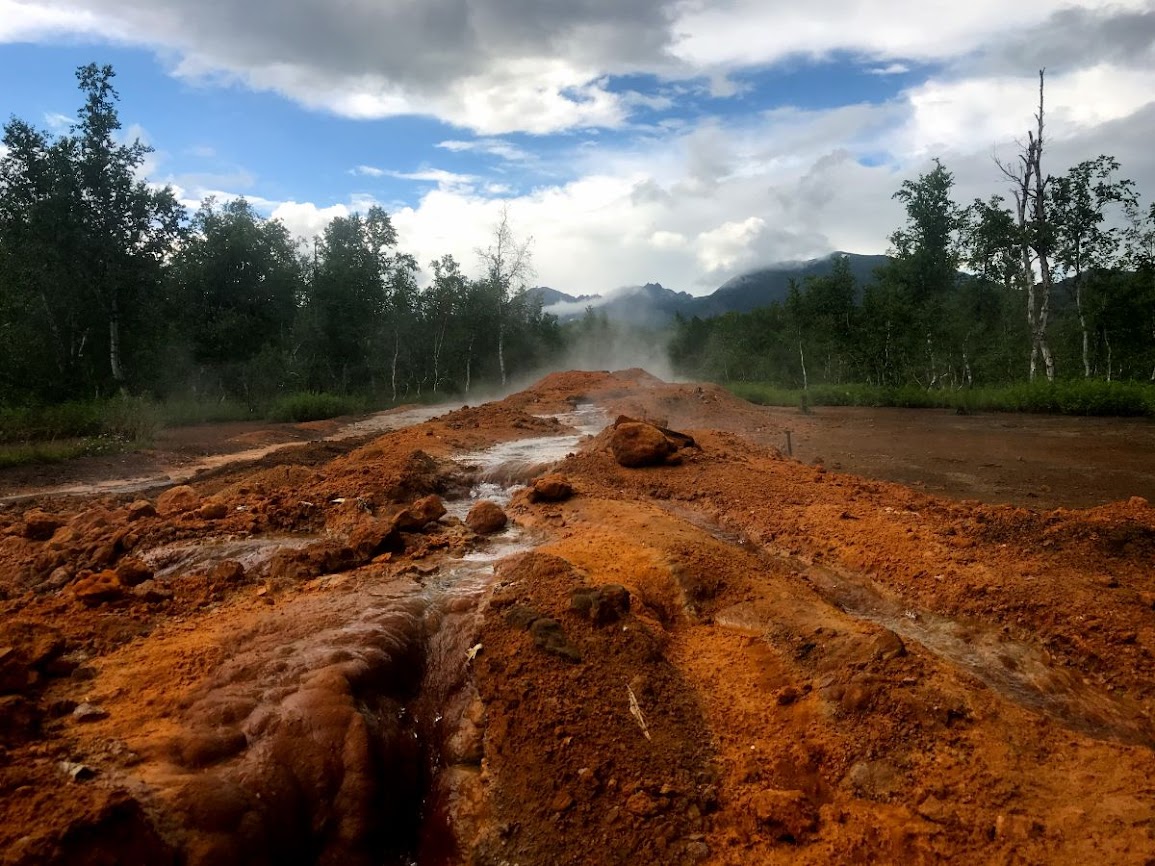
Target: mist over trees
<point x="108" y="285"/>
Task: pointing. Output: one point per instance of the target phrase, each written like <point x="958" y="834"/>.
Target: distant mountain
<point x="764" y="286"/>
<point x="654" y="304"/>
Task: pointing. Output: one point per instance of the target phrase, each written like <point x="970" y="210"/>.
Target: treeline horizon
<point x="1058" y="282"/>
<point x="108" y="286"/>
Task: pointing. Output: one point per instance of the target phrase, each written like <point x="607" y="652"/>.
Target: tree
<point x="508" y="265"/>
<point x="1029" y="188"/>
<point x="927" y="254"/>
<point x="1083" y="245"/>
<point x="85" y="240"/>
<point x="238" y="277"/>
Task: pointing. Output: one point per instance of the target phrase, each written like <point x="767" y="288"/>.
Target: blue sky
<point x="681" y="142"/>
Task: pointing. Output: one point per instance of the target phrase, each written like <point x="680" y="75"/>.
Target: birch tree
<point x="508" y="266"/>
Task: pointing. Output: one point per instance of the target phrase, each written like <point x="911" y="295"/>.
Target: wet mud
<point x="526" y="632"/>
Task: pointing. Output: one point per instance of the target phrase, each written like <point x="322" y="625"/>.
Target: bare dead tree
<point x="1029" y="187"/>
<point x="508" y="266"/>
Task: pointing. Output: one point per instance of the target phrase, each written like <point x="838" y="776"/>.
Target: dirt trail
<point x="728" y="657"/>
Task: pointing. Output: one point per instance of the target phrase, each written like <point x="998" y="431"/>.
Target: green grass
<point x="57" y="451"/>
<point x="314" y="406"/>
<point x="1060" y="398"/>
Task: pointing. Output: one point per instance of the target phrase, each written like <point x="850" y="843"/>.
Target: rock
<point x="96" y="589"/>
<point x="636" y="443"/>
<point x="177" y="500"/>
<point x="604" y="604"/>
<point x="39" y="525"/>
<point x="551" y="488"/>
<point x="788" y="815"/>
<point x="15" y="674"/>
<point x="60" y="577"/>
<point x="561" y="801"/>
<point x="227" y="571"/>
<point x="140" y="509"/>
<point x="372" y="536"/>
<point x="19" y="720"/>
<point x="133" y="571"/>
<point x="151" y="592"/>
<point x="642" y="804"/>
<point x="423" y="511"/>
<point x="548" y="635"/>
<point x="213" y="510"/>
<point x="887" y="646"/>
<point x="87" y="712"/>
<point x="486" y="517"/>
<point x="77" y="772"/>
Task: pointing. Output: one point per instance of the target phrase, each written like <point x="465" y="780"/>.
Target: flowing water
<point x="400" y="648"/>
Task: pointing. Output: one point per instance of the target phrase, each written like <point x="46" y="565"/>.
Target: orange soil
<point x="814" y="668"/>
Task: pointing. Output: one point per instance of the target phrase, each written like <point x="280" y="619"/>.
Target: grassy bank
<point x="50" y="434"/>
<point x="1125" y="399"/>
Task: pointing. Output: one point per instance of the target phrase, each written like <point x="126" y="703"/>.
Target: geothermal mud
<point x="682" y="647"/>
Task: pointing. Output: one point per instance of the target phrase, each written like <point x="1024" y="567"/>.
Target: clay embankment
<point x="710" y="654"/>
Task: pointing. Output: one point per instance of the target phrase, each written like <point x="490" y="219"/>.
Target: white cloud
<point x="368" y="171"/>
<point x="495" y="66"/>
<point x="730" y="244"/>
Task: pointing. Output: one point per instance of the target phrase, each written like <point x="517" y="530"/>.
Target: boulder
<point x="132" y="571"/>
<point x="636" y="443"/>
<point x="177" y="500"/>
<point x="140" y="509"/>
<point x="551" y="488"/>
<point x="96" y="589"/>
<point x="39" y="525"/>
<point x="423" y="511"/>
<point x="213" y="510"/>
<point x="486" y="517"/>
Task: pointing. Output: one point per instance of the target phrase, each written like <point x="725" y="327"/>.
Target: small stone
<point x="77" y="772"/>
<point x="177" y="500"/>
<point x="227" y="571"/>
<point x="549" y="636"/>
<point x="423" y="511"/>
<point x="132" y="571"/>
<point x="87" y="712"/>
<point x="39" y="525"/>
<point x="486" y="517"/>
<point x="213" y="510"/>
<point x="887" y="646"/>
<point x="152" y="592"/>
<point x="561" y="801"/>
<point x="788" y="815"/>
<point x="141" y="509"/>
<point x="96" y="589"/>
<point x="551" y="488"/>
<point x="60" y="577"/>
<point x="642" y="804"/>
<point x="787" y="696"/>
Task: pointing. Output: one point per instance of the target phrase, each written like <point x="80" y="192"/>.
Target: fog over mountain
<point x="653" y="304"/>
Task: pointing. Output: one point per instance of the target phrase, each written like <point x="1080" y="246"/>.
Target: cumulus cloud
<point x="495" y="66"/>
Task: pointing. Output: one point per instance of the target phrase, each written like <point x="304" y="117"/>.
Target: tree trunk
<point x="393" y="365"/>
<point x="1083" y="326"/>
<point x="114" y="341"/>
<point x="468" y="363"/>
<point x="501" y="352"/>
<point x="802" y="361"/>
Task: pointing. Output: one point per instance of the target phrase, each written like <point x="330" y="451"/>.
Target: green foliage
<point x="1073" y="397"/>
<point x="314" y="406"/>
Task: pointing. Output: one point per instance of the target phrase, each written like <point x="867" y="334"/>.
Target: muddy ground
<point x="728" y="657"/>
